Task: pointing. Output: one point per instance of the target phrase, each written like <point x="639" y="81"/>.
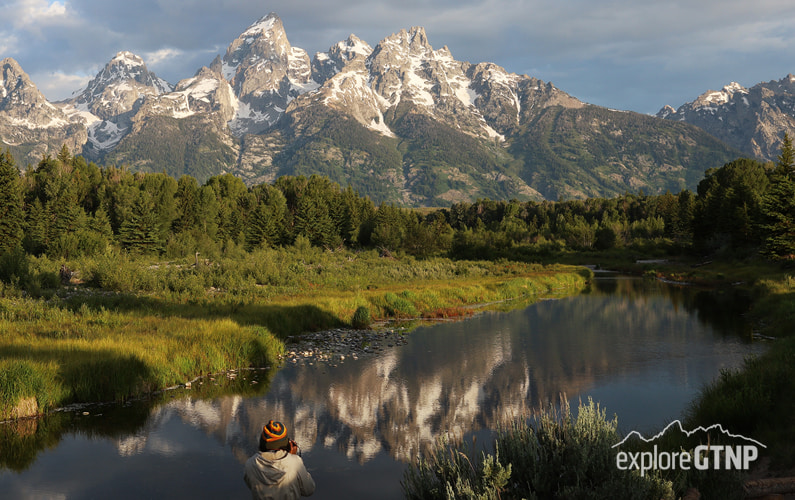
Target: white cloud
<point x="35" y="16"/>
<point x="161" y="55"/>
<point x="57" y="86"/>
<point x="8" y="42"/>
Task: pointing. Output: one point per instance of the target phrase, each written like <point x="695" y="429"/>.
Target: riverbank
<point x="127" y="327"/>
<point x="756" y="399"/>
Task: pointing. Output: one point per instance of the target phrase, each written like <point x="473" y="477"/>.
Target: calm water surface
<point x="642" y="349"/>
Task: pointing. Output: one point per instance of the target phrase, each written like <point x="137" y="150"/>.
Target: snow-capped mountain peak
<point x="116" y="89"/>
<point x="264" y="25"/>
<point x="266" y="73"/>
<point x="16" y="87"/>
<point x="26" y="117"/>
<point x="327" y="64"/>
<point x="727" y="113"/>
<point x="106" y="104"/>
<point x="132" y="63"/>
<point x="261" y="45"/>
<point x="722" y="96"/>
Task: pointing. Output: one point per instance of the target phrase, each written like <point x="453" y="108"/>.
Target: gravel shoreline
<point x="335" y="346"/>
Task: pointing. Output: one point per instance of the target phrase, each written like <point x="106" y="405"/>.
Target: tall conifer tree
<point x="778" y="207"/>
<point x="12" y="217"/>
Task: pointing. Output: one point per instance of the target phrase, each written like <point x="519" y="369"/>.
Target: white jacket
<point x="277" y="475"/>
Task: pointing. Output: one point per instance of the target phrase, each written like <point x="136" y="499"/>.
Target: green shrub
<point x="361" y="318"/>
<point x="13" y="263"/>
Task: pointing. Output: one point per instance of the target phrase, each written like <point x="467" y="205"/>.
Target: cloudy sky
<point x="625" y="54"/>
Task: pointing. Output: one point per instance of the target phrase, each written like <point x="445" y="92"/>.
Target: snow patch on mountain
<point x="199" y="88"/>
<point x="245" y="115"/>
<point x="351" y="48"/>
<point x="263" y="26"/>
<point x="419" y="89"/>
<point x="712" y="99"/>
<point x="54" y="121"/>
<point x="105" y="135"/>
<point x="80" y="113"/>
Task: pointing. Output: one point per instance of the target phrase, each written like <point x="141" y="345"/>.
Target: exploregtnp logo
<point x="716" y="449"/>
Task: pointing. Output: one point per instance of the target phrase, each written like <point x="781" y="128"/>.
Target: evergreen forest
<point x="65" y="207"/>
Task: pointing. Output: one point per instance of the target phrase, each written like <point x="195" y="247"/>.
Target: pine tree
<point x="312" y="220"/>
<point x="779" y="225"/>
<point x="37" y="229"/>
<point x="64" y="155"/>
<point x="786" y="158"/>
<point x="778" y="207"/>
<point x="187" y="201"/>
<point x="389" y="228"/>
<point x="140" y="232"/>
<point x="12" y="217"/>
<point x="265" y="226"/>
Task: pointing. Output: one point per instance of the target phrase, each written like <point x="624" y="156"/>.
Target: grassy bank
<point x="126" y="326"/>
<point x="756" y="399"/>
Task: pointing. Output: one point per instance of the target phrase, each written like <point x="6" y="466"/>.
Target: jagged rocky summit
<point x="752" y="120"/>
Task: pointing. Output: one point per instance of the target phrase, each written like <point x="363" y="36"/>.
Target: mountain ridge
<point x="264" y="109"/>
<point x="752" y="120"/>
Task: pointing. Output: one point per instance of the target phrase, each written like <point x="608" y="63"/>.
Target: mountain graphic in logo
<point x="678" y="424"/>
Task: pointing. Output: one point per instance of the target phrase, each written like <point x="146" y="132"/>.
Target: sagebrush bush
<point x="551" y="455"/>
<point x="557" y="455"/>
<point x="454" y="471"/>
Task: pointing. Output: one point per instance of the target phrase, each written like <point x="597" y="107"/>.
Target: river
<point x="641" y="348"/>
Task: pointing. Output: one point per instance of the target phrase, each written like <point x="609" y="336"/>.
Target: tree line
<point x="66" y="207"/>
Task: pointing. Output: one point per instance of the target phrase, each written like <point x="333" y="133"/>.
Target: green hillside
<point x="188" y="146"/>
<point x="568" y="153"/>
<point x="593" y="152"/>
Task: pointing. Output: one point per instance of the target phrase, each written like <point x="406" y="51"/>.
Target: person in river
<point x="277" y="471"/>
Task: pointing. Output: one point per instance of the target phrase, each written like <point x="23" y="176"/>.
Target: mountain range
<point x="400" y="122"/>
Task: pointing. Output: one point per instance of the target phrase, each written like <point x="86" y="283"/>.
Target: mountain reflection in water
<point x="642" y="348"/>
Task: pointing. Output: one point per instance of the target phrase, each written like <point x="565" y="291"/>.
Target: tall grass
<point x="774" y="306"/>
<point x="59" y="355"/>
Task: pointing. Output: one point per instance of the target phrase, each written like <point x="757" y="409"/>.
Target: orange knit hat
<point x="274" y="436"/>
